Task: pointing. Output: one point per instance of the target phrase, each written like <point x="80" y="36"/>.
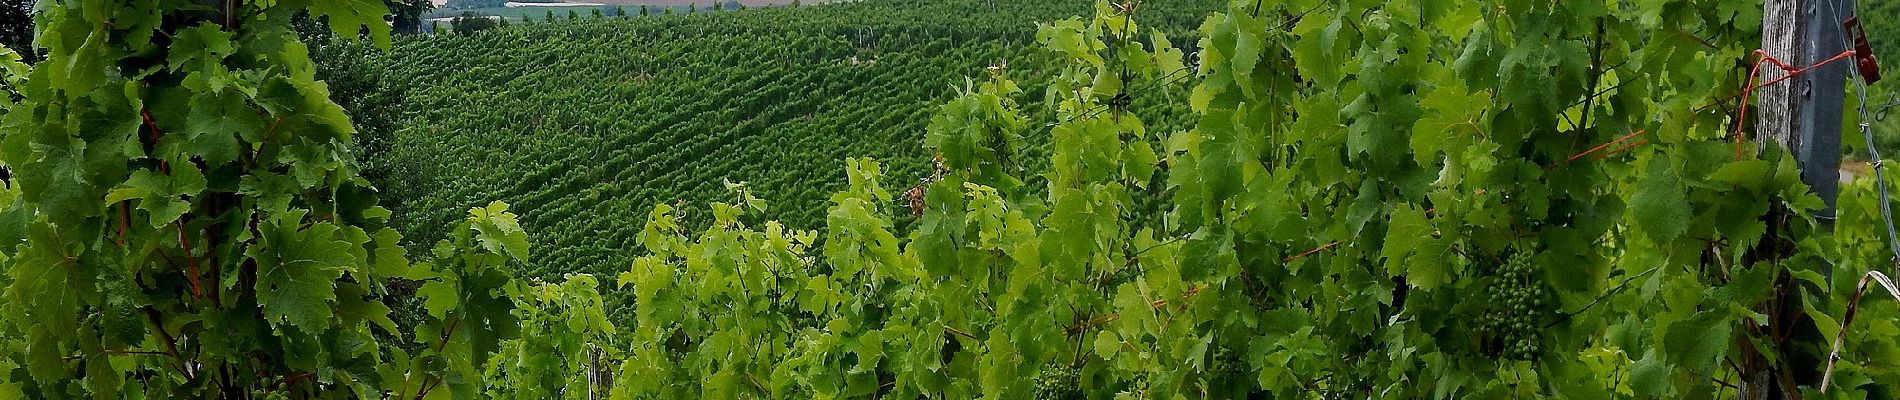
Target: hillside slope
<point x="585" y="125"/>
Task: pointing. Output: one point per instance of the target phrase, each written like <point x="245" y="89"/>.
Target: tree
<point x="620" y="11"/>
<point x="407" y="14"/>
<point x="644" y="11"/>
<point x="470" y="22"/>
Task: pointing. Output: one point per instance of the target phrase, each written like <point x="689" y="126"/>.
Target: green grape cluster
<point x="1516" y="303"/>
<point x="1059" y="382"/>
<point x="1229" y="375"/>
<point x="1229" y="363"/>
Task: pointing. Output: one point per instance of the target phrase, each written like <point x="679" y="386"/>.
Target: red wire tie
<point x="1600" y="147"/>
<point x="1619" y="150"/>
<point x="1755" y="73"/>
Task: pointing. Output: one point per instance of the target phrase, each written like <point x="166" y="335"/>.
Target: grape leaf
<point x="214" y="124"/>
<point x="499" y="231"/>
<point x="1695" y="342"/>
<point x="1659" y="206"/>
<point x="160" y="194"/>
<point x="439" y="298"/>
<point x="298" y="269"/>
<point x="1413" y="249"/>
<point x="349" y="18"/>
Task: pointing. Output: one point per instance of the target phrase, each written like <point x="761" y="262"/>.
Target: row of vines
<point x="1406" y="199"/>
<point x="584" y="125"/>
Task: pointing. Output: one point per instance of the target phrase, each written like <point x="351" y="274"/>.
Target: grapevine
<point x="1425" y="199"/>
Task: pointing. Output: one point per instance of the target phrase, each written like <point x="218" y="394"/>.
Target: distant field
<point x="516" y="13"/>
<point x="606" y="6"/>
<point x="748" y="3"/>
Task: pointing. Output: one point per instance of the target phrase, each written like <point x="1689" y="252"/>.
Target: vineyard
<point x="1293" y="199"/>
<point x="586" y="124"/>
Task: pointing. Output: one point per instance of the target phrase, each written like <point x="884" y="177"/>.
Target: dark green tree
<point x="470" y="22"/>
<point x="407" y="14"/>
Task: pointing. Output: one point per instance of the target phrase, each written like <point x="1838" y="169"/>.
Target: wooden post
<point x="1803" y="117"/>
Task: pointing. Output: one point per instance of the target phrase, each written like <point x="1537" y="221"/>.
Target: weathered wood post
<point x="1803" y="117"/>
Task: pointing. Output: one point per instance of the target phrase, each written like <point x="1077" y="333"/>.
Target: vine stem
<point x="947" y="328"/>
<point x="1596" y="75"/>
<point x="430" y="383"/>
<point x="155" y="134"/>
<point x="1599" y="299"/>
<point x="1157" y="304"/>
<point x="171" y="347"/>
<point x="1853" y="304"/>
<point x="120" y="353"/>
<point x="1132" y="258"/>
<point x="293" y="379"/>
<point x="124" y="214"/>
<point x="191" y="262"/>
<point x="445" y="335"/>
<point x="427" y="385"/>
<point x="1316" y="250"/>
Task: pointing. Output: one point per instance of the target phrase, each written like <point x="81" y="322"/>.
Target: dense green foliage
<point x="1380" y="200"/>
<point x="1408" y="199"/>
<point x="582" y="124"/>
<point x="1881" y="21"/>
<point x="184" y="220"/>
<point x="1884" y="34"/>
